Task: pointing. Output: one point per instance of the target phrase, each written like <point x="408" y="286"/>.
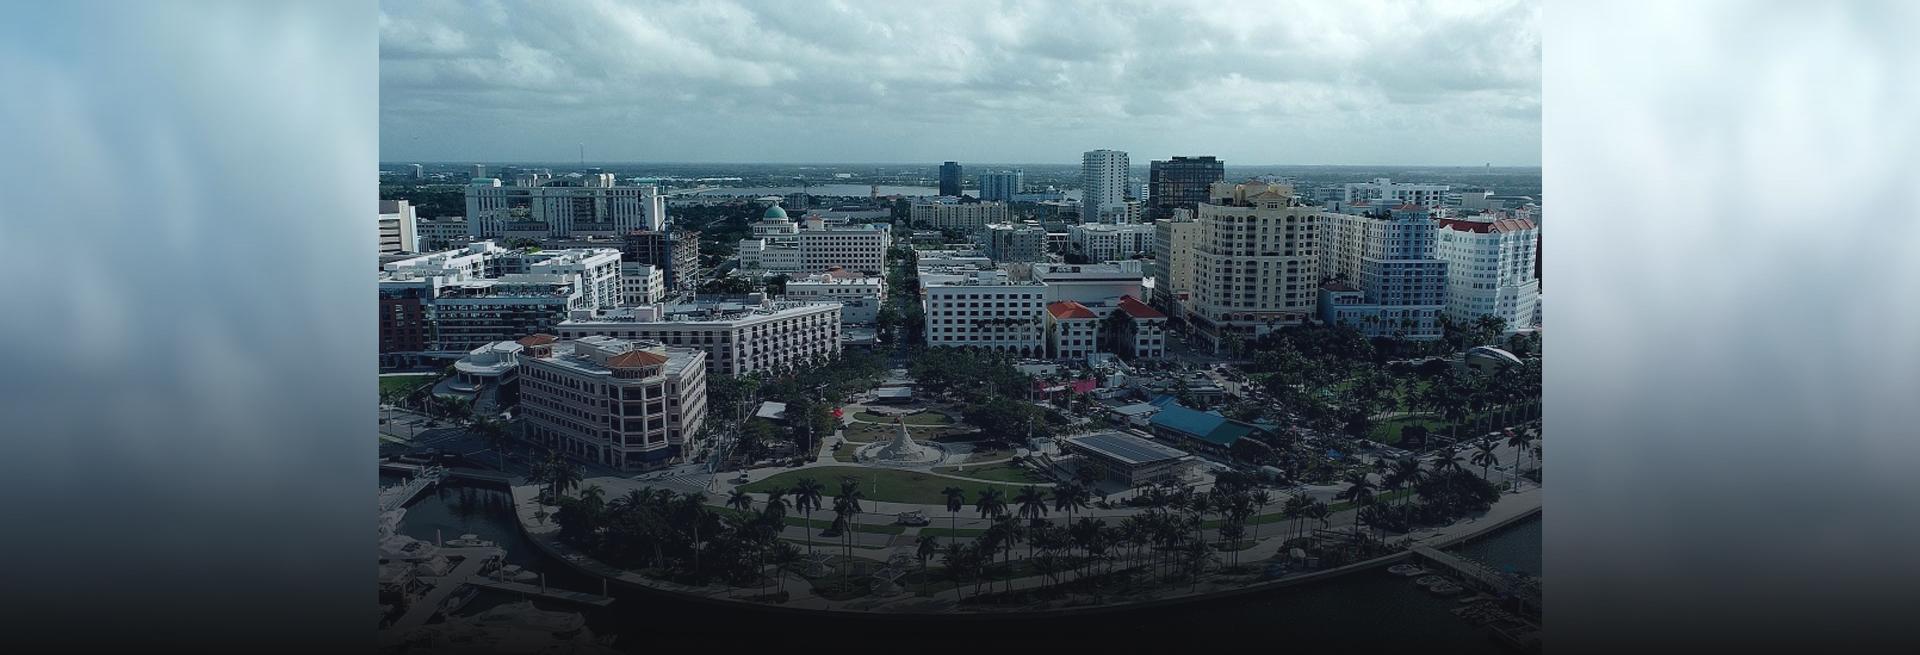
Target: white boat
<point x="524" y="615"/>
<point x="1446" y="589"/>
<point x="1430" y="580"/>
<point x="513" y="573"/>
<point x="458" y="600"/>
<point x="1406" y="570"/>
<point x="469" y="541"/>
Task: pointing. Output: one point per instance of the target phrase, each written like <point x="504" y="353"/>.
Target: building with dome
<point x="781" y="246"/>
<point x="629" y="404"/>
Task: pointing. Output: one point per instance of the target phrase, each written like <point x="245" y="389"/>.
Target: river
<point x="1364" y="611"/>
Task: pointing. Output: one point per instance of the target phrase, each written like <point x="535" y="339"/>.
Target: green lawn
<point x="1388" y="431"/>
<point x="404" y="382"/>
<point x="1003" y="472"/>
<point x="923" y="418"/>
<point x="879" y="484"/>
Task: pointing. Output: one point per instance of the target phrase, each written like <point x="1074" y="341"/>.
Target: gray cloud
<point x="737" y="80"/>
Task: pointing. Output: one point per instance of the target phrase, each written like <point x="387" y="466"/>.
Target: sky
<point x="709" y="81"/>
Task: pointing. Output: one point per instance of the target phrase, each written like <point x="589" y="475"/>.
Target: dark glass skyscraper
<point x="1181" y="182"/>
<point x="950" y="179"/>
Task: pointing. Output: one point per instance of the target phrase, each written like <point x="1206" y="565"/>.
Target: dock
<point x="1483" y="578"/>
<point x="397" y="496"/>
<point x="428" y="604"/>
<point x="549" y="593"/>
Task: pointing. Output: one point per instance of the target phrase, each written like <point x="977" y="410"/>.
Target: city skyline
<point x="1365" y="84"/>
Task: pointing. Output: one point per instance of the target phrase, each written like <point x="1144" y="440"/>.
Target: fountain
<point x="901" y="450"/>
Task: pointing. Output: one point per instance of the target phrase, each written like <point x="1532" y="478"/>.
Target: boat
<point x="1446" y="589"/>
<point x="1429" y="580"/>
<point x="458" y="600"/>
<point x="514" y="573"/>
<point x="1406" y="570"/>
<point x="469" y="541"/>
<point x="524" y="615"/>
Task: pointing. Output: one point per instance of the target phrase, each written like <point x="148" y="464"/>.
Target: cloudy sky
<point x="1257" y="82"/>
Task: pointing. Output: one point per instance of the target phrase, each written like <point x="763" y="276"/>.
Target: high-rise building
<point x="1255" y="265"/>
<point x="950" y="179"/>
<point x="1181" y="183"/>
<point x="1172" y="266"/>
<point x="537" y="207"/>
<point x="1003" y="186"/>
<point x="419" y="172"/>
<point x="1009" y="242"/>
<point x="1490" y="268"/>
<point x="1103" y="186"/>
<point x="625" y="404"/>
<point x="479" y="171"/>
<point x="676" y="253"/>
<point x="1387" y="280"/>
<point x="399" y="227"/>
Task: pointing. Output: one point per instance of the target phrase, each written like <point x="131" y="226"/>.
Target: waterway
<point x="1362" y="612"/>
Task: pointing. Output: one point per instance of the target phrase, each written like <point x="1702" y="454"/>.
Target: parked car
<point x="913" y="518"/>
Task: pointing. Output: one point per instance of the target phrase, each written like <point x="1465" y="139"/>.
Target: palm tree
<point x="1520" y="440"/>
<point x="991" y="503"/>
<point x="775" y="508"/>
<point x="956" y="499"/>
<point x="561" y="474"/>
<point x="694" y="505"/>
<point x="1407" y="474"/>
<point x="739" y="500"/>
<point x="784" y="557"/>
<point x="1319" y="511"/>
<point x="806" y="498"/>
<point x="925" y="548"/>
<point x="1068" y="497"/>
<point x="846" y="508"/>
<point x="955" y="557"/>
<point x="1359" y="490"/>
<point x="1262" y="498"/>
<point x="1485" y="457"/>
<point x="1033" y="504"/>
<point x="496" y="436"/>
<point x="1295" y="509"/>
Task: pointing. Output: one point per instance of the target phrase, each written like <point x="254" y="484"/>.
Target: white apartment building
<point x="739" y="337"/>
<point x="985" y="309"/>
<point x="1103" y="184"/>
<point x="860" y="296"/>
<point x="1172" y="266"/>
<point x="1103" y="242"/>
<point x="450" y="302"/>
<point x="399" y="227"/>
<point x="781" y="247"/>
<point x="442" y="233"/>
<point x="627" y="404"/>
<point x="1388" y="258"/>
<point x="641" y="284"/>
<point x="950" y="213"/>
<point x="1073" y="331"/>
<point x="1386" y="190"/>
<point x="1490" y="268"/>
<point x="539" y="208"/>
<point x="596" y="269"/>
<point x="1254" y="261"/>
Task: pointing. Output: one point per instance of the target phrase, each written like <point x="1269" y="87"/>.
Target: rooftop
<point x="1127" y="448"/>
<point x="1068" y="309"/>
<point x="1137" y="309"/>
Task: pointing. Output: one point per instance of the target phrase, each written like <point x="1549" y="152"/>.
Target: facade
<point x="1384" y="190"/>
<point x="445" y="304"/>
<point x="676" y="253"/>
<point x="1490" y="268"/>
<point x="442" y="233"/>
<point x="1010" y="242"/>
<point x="950" y="179"/>
<point x="1388" y="257"/>
<point x="951" y="213"/>
<point x="631" y="405"/>
<point x="1126" y="459"/>
<point x="1103" y="184"/>
<point x="1143" y="335"/>
<point x="641" y="284"/>
<point x="1104" y="242"/>
<point x="1255" y="266"/>
<point x="860" y="296"/>
<point x="985" y="309"/>
<point x="1072" y="330"/>
<point x="1172" y="266"/>
<point x="536" y="207"/>
<point x="399" y="227"/>
<point x="781" y="247"/>
<point x="1181" y="183"/>
<point x="1003" y="186"/>
<point x="1099" y="286"/>
<point x="751" y="336"/>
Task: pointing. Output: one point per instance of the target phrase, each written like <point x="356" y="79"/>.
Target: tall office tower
<point x="399" y="231"/>
<point x="1103" y="186"/>
<point x="950" y="179"/>
<point x="479" y="171"/>
<point x="1002" y="186"/>
<point x="1255" y="267"/>
<point x="419" y="172"/>
<point x="1180" y="183"/>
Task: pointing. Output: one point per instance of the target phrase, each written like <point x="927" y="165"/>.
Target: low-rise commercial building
<point x="860" y="296"/>
<point x="1126" y="459"/>
<point x="953" y="213"/>
<point x="739" y="336"/>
